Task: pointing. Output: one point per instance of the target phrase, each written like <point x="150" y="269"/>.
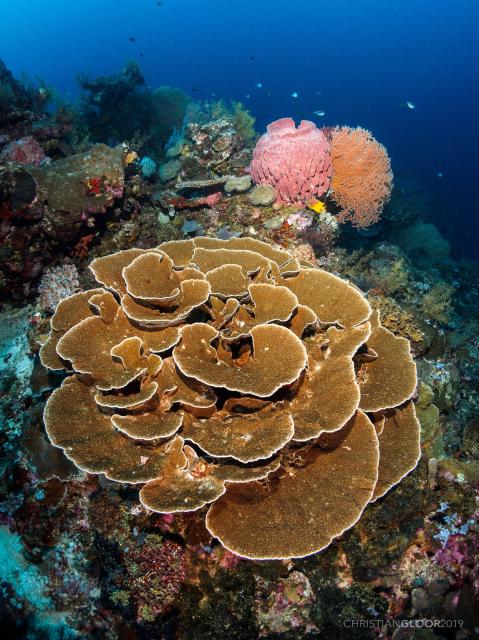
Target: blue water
<point x="358" y="60"/>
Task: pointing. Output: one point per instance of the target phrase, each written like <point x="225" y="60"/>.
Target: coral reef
<point x="436" y="303"/>
<point x="396" y="319"/>
<point x="120" y="107"/>
<point x="15" y="99"/>
<point x="24" y="113"/>
<point x="424" y="244"/>
<point x="322" y="234"/>
<point x="169" y="170"/>
<point x="409" y="203"/>
<point x="285" y="605"/>
<point x="116" y="100"/>
<point x="241" y="118"/>
<point x="362" y="177"/>
<point x="262" y="195"/>
<point x="212" y="143"/>
<point x="57" y="283"/>
<point x="81" y="556"/>
<point x="24" y="151"/>
<point x="83" y="183"/>
<point x="47" y="205"/>
<point x="148" y="167"/>
<point x="170" y="111"/>
<point x="30" y="587"/>
<point x="155" y="572"/>
<point x="393" y="278"/>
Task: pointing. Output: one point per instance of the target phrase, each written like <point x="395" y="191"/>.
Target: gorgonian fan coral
<point x="295" y="161"/>
<point x="362" y="177"/>
<point x="225" y="372"/>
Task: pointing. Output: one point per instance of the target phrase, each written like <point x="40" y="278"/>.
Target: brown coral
<point x="224" y="372"/>
<point x="362" y="177"/>
<point x="395" y="318"/>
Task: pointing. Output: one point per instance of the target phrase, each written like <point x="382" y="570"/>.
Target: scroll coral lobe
<point x="224" y="373"/>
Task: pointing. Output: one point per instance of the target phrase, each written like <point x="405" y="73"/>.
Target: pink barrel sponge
<point x="295" y="161"/>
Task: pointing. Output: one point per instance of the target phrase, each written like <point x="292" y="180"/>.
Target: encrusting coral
<point x="226" y="372"/>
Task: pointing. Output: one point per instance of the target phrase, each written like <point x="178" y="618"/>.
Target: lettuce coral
<point x="362" y="177"/>
<point x="224" y="372"/>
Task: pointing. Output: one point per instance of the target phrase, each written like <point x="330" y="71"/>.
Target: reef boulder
<point x="85" y="183"/>
<point x="24" y="151"/>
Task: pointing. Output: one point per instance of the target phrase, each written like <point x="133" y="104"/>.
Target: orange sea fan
<point x="362" y="177"/>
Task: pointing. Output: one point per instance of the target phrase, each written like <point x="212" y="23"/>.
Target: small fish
<point x="317" y="93"/>
<point x="319" y="113"/>
<point x="410" y="105"/>
<point x="439" y="175"/>
<point x="248" y="95"/>
<point x="259" y="85"/>
<point x="295" y="94"/>
<point x="130" y="157"/>
<point x="132" y="39"/>
<point x="142" y="55"/>
<point x="252" y="58"/>
<point x="316" y="205"/>
<point x="159" y="3"/>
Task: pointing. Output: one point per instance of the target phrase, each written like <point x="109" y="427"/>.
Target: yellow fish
<point x="316" y="205"/>
<point x="130" y="157"/>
